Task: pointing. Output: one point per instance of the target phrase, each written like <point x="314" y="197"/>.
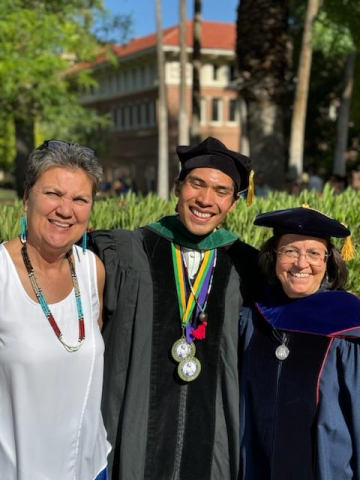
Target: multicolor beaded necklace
<point x="45" y="307"/>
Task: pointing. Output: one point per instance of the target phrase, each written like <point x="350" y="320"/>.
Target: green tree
<point x="262" y="49"/>
<point x="40" y="41"/>
<point x="331" y="126"/>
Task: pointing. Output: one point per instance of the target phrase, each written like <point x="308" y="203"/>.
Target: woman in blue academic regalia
<point x="301" y="364"/>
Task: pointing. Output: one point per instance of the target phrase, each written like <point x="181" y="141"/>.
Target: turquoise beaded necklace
<point x="45" y="307"/>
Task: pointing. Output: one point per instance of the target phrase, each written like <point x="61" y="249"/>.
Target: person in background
<point x="173" y="294"/>
<point x="120" y="186"/>
<point x="51" y="349"/>
<point x="301" y="378"/>
<point x="262" y="189"/>
<point x="315" y="181"/>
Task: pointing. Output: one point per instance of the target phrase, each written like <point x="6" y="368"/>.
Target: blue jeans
<point x="103" y="475"/>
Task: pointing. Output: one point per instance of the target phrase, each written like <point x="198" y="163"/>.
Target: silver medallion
<point x="203" y="317"/>
<point x="282" y="352"/>
<point x="189" y="369"/>
<point x="182" y="349"/>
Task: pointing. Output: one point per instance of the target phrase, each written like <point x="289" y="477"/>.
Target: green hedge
<point x="132" y="211"/>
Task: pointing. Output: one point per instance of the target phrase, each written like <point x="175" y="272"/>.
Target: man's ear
<point x="236" y="199"/>
<point x="177" y="187"/>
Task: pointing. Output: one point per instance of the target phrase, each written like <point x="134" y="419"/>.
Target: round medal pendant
<point x="182" y="350"/>
<point x="282" y="352"/>
<point x="203" y="317"/>
<point x="189" y="369"/>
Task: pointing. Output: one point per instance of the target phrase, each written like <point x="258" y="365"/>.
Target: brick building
<point x="128" y="92"/>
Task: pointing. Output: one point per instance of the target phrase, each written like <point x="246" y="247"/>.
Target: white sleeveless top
<point x="51" y="427"/>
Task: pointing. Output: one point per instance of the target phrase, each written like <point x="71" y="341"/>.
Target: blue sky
<point x="143" y="12"/>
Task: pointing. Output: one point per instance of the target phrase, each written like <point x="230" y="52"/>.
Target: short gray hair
<point x="58" y="153"/>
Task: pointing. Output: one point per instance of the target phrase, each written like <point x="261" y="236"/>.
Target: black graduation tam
<point x="307" y="221"/>
<point x="302" y="221"/>
<point x="212" y="153"/>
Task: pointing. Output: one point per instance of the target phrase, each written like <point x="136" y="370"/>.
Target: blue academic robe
<point x="302" y="414"/>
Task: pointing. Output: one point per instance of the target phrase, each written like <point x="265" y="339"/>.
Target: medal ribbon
<point x="186" y="307"/>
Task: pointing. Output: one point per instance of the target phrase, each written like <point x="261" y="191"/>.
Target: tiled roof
<point x="213" y="35"/>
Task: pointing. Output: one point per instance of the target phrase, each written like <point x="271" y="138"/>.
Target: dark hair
<point x="336" y="269"/>
<point x="58" y="153"/>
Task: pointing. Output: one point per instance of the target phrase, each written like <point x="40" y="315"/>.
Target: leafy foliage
<point x="40" y="41"/>
<point x="336" y="34"/>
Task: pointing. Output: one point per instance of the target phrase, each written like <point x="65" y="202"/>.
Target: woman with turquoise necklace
<point x="51" y="349"/>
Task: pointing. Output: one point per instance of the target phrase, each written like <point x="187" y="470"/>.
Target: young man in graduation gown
<point x="174" y="290"/>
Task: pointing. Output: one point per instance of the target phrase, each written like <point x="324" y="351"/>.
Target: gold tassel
<point x="348" y="250"/>
<point x="251" y="189"/>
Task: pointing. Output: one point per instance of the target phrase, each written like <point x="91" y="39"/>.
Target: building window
<point x="153" y="74"/>
<point x="127" y="80"/>
<point x="216" y="110"/>
<point x="131" y="116"/>
<point x="143" y="77"/>
<point x="203" y="116"/>
<point x="138" y="115"/>
<point x="143" y="114"/>
<point x="215" y="72"/>
<point x="231" y="73"/>
<point x="134" y="81"/>
<point x="151" y="113"/>
<point x="233" y="109"/>
<point x="127" y="117"/>
<point x="114" y="114"/>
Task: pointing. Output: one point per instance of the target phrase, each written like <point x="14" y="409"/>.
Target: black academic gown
<point x="161" y="428"/>
<point x="302" y="420"/>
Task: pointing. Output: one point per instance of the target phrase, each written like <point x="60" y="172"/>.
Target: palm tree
<point x="342" y="126"/>
<point x="183" y="118"/>
<point x="196" y="94"/>
<point x="262" y="49"/>
<point x="163" y="144"/>
<point x="296" y="150"/>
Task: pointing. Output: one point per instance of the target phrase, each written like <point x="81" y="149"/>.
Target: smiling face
<point x="58" y="208"/>
<point x="205" y="197"/>
<point x="299" y="278"/>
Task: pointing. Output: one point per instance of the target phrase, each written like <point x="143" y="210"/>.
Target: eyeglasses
<point x="56" y="143"/>
<point x="313" y="256"/>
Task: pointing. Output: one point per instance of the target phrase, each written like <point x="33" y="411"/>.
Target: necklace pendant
<point x="189" y="369"/>
<point x="203" y="317"/>
<point x="182" y="350"/>
<point x="282" y="352"/>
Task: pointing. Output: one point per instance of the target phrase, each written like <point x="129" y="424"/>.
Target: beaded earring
<point x="84" y="242"/>
<point x="23" y="229"/>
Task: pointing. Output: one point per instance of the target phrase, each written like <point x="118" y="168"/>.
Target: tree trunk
<point x="196" y="88"/>
<point x="24" y="144"/>
<point x="163" y="143"/>
<point x="342" y="126"/>
<point x="262" y="49"/>
<point x="183" y="118"/>
<point x="296" y="150"/>
<point x="244" y="140"/>
<point x="267" y="141"/>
